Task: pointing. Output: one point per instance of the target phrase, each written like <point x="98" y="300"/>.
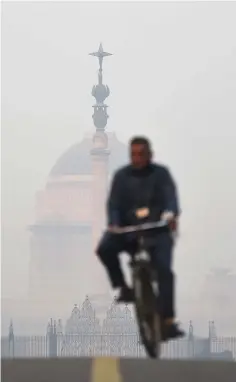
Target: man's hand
<point x="170" y="217"/>
<point x="174" y="225"/>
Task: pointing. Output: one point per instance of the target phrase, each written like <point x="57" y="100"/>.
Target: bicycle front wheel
<point x="147" y="315"/>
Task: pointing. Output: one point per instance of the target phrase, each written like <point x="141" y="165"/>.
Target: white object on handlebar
<point x="139" y="227"/>
<point x="167" y="216"/>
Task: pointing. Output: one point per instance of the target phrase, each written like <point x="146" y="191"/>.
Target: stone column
<point x="100" y="161"/>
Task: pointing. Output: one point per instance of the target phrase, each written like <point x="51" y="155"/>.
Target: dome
<point x="76" y="160"/>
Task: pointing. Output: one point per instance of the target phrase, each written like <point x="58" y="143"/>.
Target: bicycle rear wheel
<point x="147" y="313"/>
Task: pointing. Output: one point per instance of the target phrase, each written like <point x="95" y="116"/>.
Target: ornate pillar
<point x="11" y="341"/>
<point x="99" y="152"/>
<point x="191" y="347"/>
<point x="52" y="339"/>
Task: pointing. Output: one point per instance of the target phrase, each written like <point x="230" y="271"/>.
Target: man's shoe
<point x="126" y="295"/>
<point x="172" y="331"/>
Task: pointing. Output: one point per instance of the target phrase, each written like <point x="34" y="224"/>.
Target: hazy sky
<point x="172" y="77"/>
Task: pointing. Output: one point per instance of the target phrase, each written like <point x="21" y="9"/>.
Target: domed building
<point x="70" y="213"/>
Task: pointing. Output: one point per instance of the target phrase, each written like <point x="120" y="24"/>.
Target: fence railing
<point x="108" y="344"/>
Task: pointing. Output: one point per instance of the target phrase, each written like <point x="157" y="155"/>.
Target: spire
<point x="212" y="330"/>
<point x="11" y="331"/>
<point x="100" y="92"/>
<point x="190" y="331"/>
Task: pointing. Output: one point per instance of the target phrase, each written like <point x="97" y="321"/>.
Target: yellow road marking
<point x="106" y="370"/>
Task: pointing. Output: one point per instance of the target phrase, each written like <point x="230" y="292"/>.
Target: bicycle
<point x="145" y="285"/>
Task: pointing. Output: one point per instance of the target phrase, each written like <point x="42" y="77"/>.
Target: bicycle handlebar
<point x="139" y="227"/>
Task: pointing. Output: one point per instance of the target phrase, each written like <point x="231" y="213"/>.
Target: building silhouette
<point x="70" y="211"/>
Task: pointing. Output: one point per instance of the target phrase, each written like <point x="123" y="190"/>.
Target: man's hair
<point x="139" y="140"/>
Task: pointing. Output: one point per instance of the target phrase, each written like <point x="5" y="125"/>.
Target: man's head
<point x="140" y="152"/>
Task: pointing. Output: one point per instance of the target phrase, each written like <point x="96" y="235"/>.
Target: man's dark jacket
<point x="152" y="187"/>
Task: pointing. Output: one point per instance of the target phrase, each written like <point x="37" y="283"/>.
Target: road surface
<point x="116" y="370"/>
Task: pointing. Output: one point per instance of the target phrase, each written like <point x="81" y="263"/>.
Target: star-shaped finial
<point x="100" y="53"/>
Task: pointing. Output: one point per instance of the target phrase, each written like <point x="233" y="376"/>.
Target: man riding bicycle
<point x="138" y="185"/>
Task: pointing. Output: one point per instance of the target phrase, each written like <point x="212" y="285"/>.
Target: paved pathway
<point x="116" y="370"/>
